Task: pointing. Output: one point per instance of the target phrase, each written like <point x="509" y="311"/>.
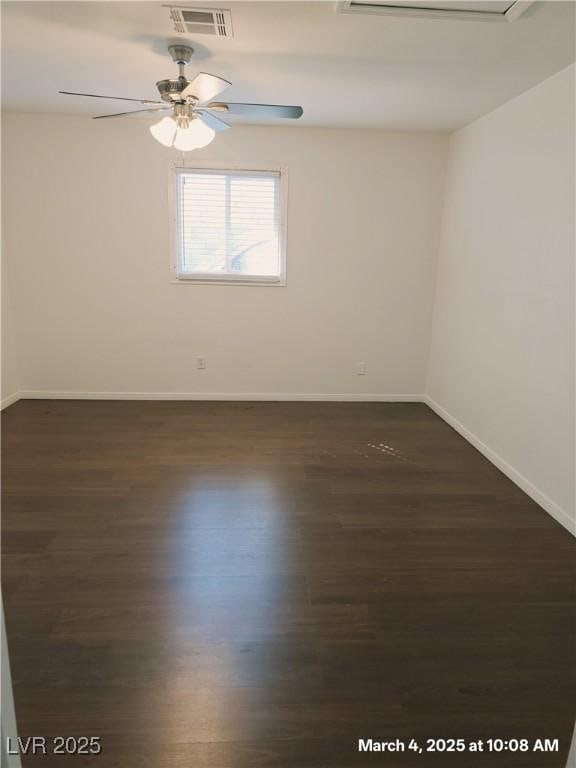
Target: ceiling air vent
<point x="478" y="10"/>
<point x="201" y="21"/>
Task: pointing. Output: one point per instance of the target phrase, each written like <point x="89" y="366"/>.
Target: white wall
<point x="8" y="363"/>
<point x="502" y="351"/>
<point x="88" y="238"/>
<point x="9" y="382"/>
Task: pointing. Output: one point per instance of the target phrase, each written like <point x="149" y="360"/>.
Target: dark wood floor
<point x="259" y="585"/>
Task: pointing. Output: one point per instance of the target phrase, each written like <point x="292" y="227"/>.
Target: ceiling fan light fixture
<point x="192" y="124"/>
<point x="196" y="136"/>
<point x="164" y="131"/>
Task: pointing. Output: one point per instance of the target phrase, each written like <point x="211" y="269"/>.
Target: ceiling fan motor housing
<point x="170" y="90"/>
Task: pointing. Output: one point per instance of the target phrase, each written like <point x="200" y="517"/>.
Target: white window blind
<point x="229" y="225"/>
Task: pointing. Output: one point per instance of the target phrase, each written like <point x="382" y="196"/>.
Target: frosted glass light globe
<point x="197" y="135"/>
<point x="164" y="131"/>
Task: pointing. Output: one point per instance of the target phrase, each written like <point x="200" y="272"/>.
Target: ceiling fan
<point x="192" y="123"/>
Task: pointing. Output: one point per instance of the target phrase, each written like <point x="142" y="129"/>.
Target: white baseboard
<point x="13" y="398"/>
<point x="522" y="482"/>
<point x="352" y="397"/>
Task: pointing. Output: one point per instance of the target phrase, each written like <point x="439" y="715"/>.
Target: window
<point x="229" y="226"/>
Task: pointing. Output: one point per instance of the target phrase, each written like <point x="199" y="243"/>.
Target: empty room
<point x="288" y="384"/>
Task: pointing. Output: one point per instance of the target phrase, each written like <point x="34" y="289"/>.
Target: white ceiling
<point x="397" y="73"/>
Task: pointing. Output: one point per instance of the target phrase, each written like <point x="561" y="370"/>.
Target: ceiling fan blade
<point x="204" y="87"/>
<point x="132" y="112"/>
<point x="256" y="110"/>
<point x="119" y="98"/>
<point x="212" y="121"/>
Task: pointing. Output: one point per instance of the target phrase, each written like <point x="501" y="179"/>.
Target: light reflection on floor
<point x="229" y="548"/>
<point x="388" y="450"/>
<point x="383" y="449"/>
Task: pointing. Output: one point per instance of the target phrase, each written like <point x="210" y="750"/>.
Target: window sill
<point x="262" y="282"/>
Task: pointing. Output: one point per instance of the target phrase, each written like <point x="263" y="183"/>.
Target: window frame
<point x="177" y="278"/>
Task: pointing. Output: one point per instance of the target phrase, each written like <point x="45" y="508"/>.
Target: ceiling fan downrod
<point x="181" y="55"/>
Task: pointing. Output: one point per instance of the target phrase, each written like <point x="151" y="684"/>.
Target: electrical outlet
<point x="201" y="363"/>
<point x="361" y="369"/>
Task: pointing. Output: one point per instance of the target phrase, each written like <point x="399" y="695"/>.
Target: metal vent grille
<point x="201" y="21"/>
